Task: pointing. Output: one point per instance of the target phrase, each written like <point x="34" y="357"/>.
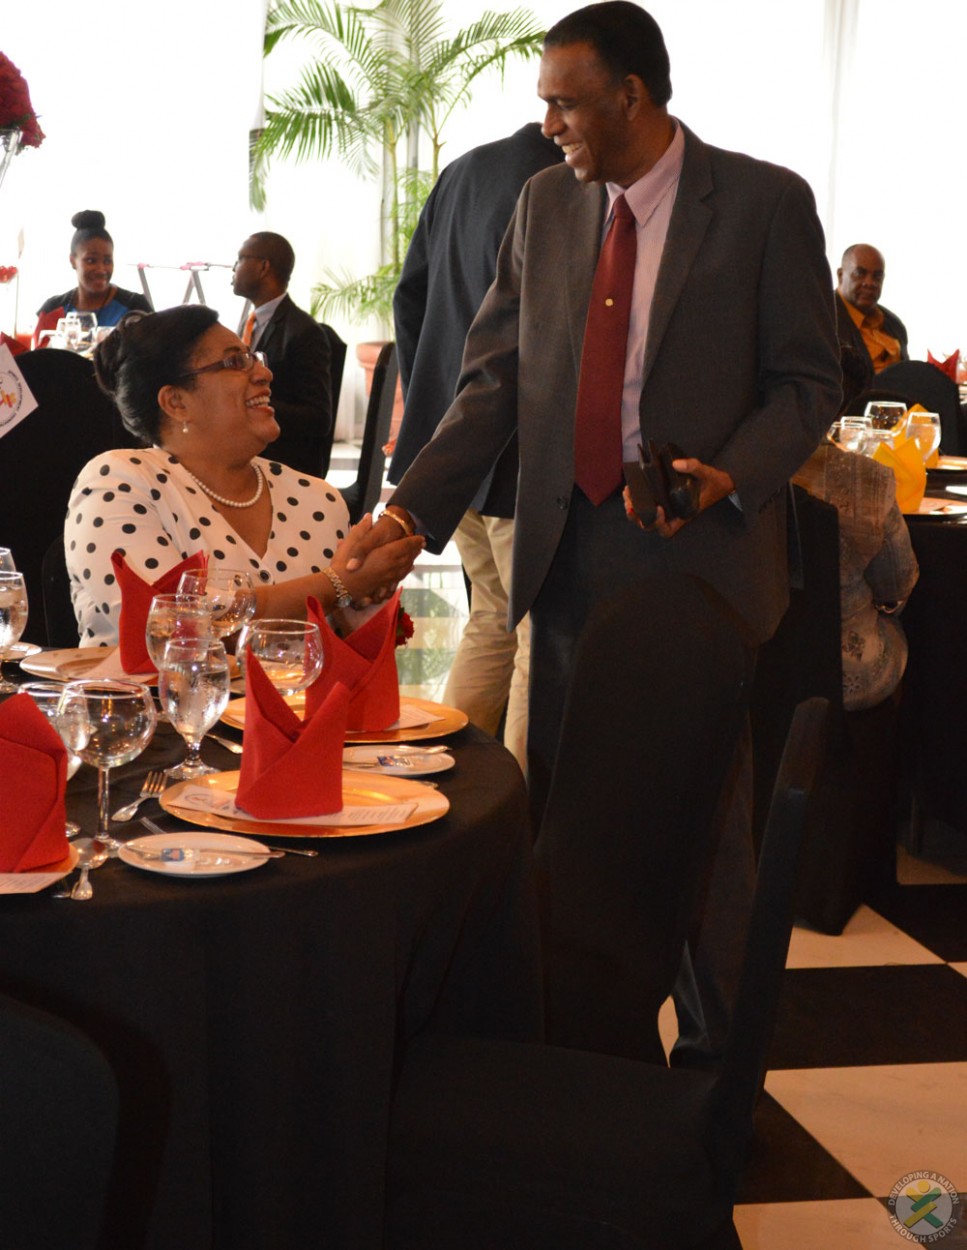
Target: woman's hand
<point x="375" y="577"/>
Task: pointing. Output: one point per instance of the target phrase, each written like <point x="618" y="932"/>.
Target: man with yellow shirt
<point x="860" y="319"/>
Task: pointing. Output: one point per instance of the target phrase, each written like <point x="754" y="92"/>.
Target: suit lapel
<point x="689" y="221"/>
<point x="585" y="218"/>
<point x="274" y="326"/>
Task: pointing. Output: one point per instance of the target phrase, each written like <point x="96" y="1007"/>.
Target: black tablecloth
<point x="254" y="1020"/>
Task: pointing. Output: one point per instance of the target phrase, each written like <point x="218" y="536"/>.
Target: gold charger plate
<point x="358" y="788"/>
<point x="451" y="720"/>
<point x="37" y="879"/>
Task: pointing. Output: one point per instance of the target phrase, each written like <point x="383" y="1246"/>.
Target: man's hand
<point x="367" y="537"/>
<point x="714" y="484"/>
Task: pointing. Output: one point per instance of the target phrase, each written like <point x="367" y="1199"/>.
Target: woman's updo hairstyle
<point x="146" y="352"/>
<point x="88" y="224"/>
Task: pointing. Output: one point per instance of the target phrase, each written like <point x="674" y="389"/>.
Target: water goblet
<point x="290" y="652"/>
<point x="924" y="429"/>
<point x="175" y="616"/>
<point x="13" y="619"/>
<point x="230" y="592"/>
<point x="47" y="696"/>
<point x="6" y="561"/>
<point x="886" y="414"/>
<point x="106" y="723"/>
<point x="193" y="688"/>
<point x="851" y="433"/>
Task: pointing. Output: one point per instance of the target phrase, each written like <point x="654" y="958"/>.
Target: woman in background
<point x="92" y="259"/>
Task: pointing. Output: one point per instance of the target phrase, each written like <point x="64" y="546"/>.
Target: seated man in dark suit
<point x="296" y="350"/>
<point x="862" y="322"/>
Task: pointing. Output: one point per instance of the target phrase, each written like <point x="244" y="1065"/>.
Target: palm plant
<point x="380" y="82"/>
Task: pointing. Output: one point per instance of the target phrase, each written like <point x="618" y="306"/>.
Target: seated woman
<point x="92" y="259"/>
<point x="877" y="569"/>
<point x="189" y="388"/>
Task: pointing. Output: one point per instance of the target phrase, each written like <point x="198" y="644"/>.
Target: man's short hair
<point x="626" y="38"/>
<point x="278" y="252"/>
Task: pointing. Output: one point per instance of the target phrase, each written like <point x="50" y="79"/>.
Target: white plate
<point x="420" y="763"/>
<point x="20" y="650"/>
<point x="74" y="663"/>
<point x="220" y="864"/>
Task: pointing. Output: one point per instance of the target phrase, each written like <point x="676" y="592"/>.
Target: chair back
<point x="41" y="457"/>
<point x="657" y="698"/>
<point x="337" y="367"/>
<point x="739" y="1082"/>
<point x="59" y="618"/>
<point x="920" y="382"/>
<point x="60" y="1109"/>
<point x="363" y="495"/>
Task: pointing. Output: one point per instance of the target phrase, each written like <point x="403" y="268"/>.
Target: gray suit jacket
<point x="741" y="369"/>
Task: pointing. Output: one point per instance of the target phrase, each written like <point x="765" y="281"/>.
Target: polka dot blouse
<point x="144" y="504"/>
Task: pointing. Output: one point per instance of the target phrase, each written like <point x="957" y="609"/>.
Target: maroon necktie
<point x="597" y="432"/>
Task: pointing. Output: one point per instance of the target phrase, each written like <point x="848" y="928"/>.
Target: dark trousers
<point x="601" y="553"/>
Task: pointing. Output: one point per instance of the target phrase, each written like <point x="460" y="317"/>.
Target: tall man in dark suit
<point x="731" y="353"/>
<point x="296" y="350"/>
<point x="449" y="266"/>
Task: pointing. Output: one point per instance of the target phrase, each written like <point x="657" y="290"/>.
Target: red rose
<point x="16" y="111"/>
<point x="404" y="628"/>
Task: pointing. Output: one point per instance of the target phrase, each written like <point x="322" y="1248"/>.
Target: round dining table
<point x="254" y="1021"/>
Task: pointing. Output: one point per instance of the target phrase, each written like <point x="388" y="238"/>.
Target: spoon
<point x="90" y="854"/>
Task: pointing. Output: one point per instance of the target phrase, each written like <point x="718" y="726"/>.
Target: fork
<point x="154" y="783"/>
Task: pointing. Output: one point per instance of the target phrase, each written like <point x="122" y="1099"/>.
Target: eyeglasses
<point x="240" y="362"/>
<point x="247" y="256"/>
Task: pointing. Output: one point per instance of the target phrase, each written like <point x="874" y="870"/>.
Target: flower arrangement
<point x="16" y="111"/>
<point x="7" y="273"/>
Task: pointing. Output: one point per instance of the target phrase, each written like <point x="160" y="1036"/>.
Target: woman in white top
<point x="189" y="387"/>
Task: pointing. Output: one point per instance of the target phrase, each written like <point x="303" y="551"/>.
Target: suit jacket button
<point x="562" y="502"/>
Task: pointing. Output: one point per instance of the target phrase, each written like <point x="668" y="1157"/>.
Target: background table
<point x="254" y="1020"/>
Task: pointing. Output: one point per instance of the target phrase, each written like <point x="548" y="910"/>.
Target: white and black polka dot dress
<point x="144" y="504"/>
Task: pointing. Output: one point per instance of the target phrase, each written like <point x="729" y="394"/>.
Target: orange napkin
<point x="290" y="767"/>
<point x="136" y="596"/>
<point x="948" y="366"/>
<point x="365" y="663"/>
<point x="908" y="469"/>
<point x="33" y="774"/>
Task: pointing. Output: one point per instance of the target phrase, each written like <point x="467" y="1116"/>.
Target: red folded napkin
<point x="33" y="774"/>
<point x="365" y="663"/>
<point x="290" y="767"/>
<point x="948" y="366"/>
<point x="136" y="596"/>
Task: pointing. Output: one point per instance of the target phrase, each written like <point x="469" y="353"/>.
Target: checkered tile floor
<point x="867" y="1076"/>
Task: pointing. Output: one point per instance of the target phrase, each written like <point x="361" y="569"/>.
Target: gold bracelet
<point x="406" y="526"/>
<point x="343" y="598"/>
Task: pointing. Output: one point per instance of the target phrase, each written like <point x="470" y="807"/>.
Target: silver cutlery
<point x="227" y="743"/>
<point x="154" y="783"/>
<point x="274" y="854"/>
<point x="90" y="854"/>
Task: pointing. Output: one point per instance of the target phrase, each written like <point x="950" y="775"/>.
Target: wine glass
<point x="193" y="688"/>
<point x="175" y="616"/>
<point x="13" y="619"/>
<point x="72" y="331"/>
<point x="924" y="429"/>
<point x="230" y="592"/>
<point x="47" y="696"/>
<point x="106" y="723"/>
<point x="6" y="561"/>
<point x="886" y="414"/>
<point x="851" y="433"/>
<point x="290" y="652"/>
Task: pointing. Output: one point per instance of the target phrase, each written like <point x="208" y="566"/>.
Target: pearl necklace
<point x="232" y="503"/>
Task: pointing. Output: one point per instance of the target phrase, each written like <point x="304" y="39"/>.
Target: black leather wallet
<point x="653" y="483"/>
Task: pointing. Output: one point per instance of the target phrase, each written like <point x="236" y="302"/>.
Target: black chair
<point x="57" y="1140"/>
<point x="73" y="422"/>
<point x="59" y="615"/>
<point x="496" y="1144"/>
<point x="363" y="495"/>
<point x="655" y="707"/>
<point x="920" y="382"/>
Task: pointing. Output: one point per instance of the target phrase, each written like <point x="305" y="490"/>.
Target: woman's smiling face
<point x="229" y="411"/>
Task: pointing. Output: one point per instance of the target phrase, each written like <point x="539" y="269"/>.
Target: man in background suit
<point x="731" y="353"/>
<point x="861" y="320"/>
<point x="296" y="350"/>
<point x="449" y="266"/>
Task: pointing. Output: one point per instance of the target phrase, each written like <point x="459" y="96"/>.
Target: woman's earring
<point x="184" y="427"/>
